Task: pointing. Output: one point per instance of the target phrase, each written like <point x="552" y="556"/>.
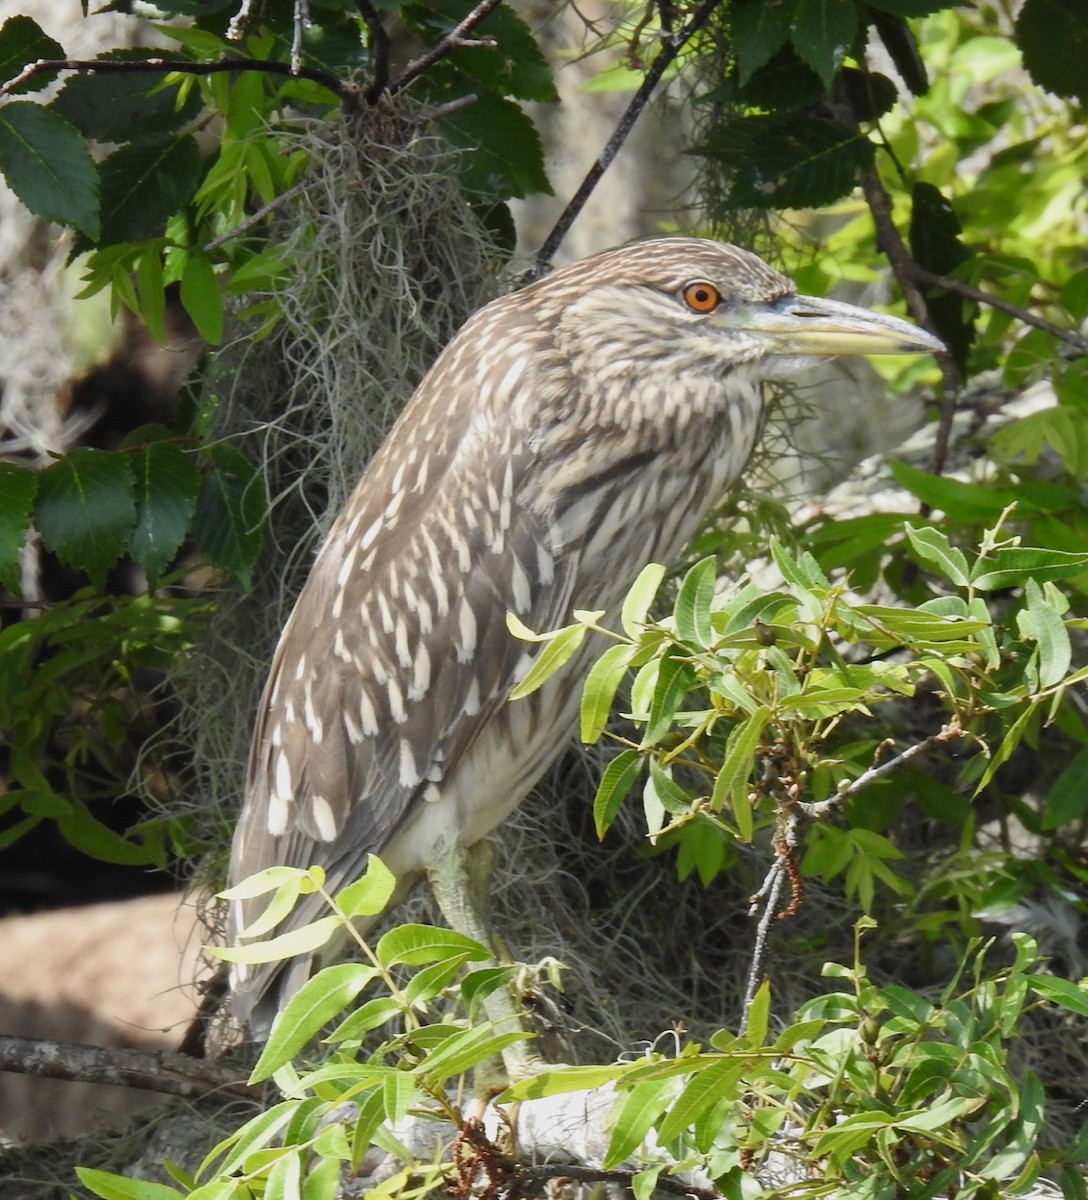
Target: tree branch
<point x="169" y="1074"/>
<point x="817" y="810"/>
<point x="903" y="267"/>
<point x="380" y="45"/>
<point x="674" y="43"/>
<point x="950" y="284"/>
<point x="441" y="48"/>
<point x="162" y="66"/>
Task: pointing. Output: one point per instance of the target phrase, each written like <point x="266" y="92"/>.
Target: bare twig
<point x="162" y="66"/>
<point x="768" y="895"/>
<point x="169" y="1074"/>
<point x="300" y="23"/>
<point x="255" y="218"/>
<point x="817" y="810"/>
<point x="801" y="813"/>
<point x="452" y="40"/>
<point x="673" y="44"/>
<point x="950" y="284"/>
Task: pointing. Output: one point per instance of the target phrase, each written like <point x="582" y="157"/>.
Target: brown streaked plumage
<point x="569" y="434"/>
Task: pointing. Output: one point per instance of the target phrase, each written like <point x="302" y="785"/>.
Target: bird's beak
<point x="804" y="325"/>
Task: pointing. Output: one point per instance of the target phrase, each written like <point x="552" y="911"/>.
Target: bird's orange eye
<point x="701" y="297"/>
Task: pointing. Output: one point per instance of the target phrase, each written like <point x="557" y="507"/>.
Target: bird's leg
<point x="460" y="881"/>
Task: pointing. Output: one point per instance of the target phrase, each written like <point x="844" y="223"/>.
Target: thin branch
<point x="301" y="23"/>
<point x="169" y="1074"/>
<point x="380" y="45"/>
<point x="453" y="39"/>
<point x="768" y="894"/>
<point x="817" y="810"/>
<point x="162" y="66"/>
<point x="903" y="267"/>
<point x="674" y="43"/>
<point x="951" y="284"/>
<point x="799" y="814"/>
<point x="256" y="217"/>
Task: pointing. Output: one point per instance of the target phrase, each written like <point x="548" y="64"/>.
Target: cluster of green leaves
<point x="142" y="502"/>
<point x="987" y="183"/>
<point x="743" y="704"/>
<point x="871" y="1090"/>
<point x="159" y="210"/>
<point x="400" y="1050"/>
<point x="802" y="101"/>
<point x="72" y="703"/>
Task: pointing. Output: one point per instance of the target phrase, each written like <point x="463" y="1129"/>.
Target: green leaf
<point x="267" y="880"/>
<point x="430" y="980"/>
<point x="513" y="64"/>
<point x="230" y="513"/>
<point x="618" y="779"/>
<point x="503" y="152"/>
<point x="463" y="1050"/>
<point x="482" y="982"/>
<point x="167" y="486"/>
<point x="640" y="1108"/>
<point x="1010" y="566"/>
<point x="935" y="242"/>
<point x="933" y="547"/>
<point x="371" y="1015"/>
<point x="599" y="691"/>
<point x="48" y="166"/>
<point x="802" y="570"/>
<point x="713" y="1081"/>
<point x="253" y="1135"/>
<point x="119" y="1187"/>
<point x="759" y="1016"/>
<point x="202" y="297"/>
<point x="785" y="161"/>
<point x="86" y="509"/>
<point x="558" y="1081"/>
<point x="823" y="32"/>
<point x="1073" y="997"/>
<point x="555" y="655"/>
<point x="416" y="944"/>
<point x="1050" y="634"/>
<point x="18" y="487"/>
<point x="1014" y="735"/>
<point x="692" y="609"/>
<point x="640" y="597"/>
<point x="674" y="678"/>
<point x="145" y="182"/>
<point x="121" y="107"/>
<point x="1053" y="35"/>
<point x="759" y="30"/>
<point x="151" y="289"/>
<point x="731" y="783"/>
<point x="309" y="1010"/>
<point x="1068" y="798"/>
<point x="304" y="940"/>
<point x="23" y="42"/>
<point x="369" y="895"/>
<point x="964" y="501"/>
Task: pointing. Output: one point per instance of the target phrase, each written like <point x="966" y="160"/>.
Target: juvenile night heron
<point x="569" y="434"/>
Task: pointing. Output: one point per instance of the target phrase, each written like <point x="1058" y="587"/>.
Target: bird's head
<point x="689" y="305"/>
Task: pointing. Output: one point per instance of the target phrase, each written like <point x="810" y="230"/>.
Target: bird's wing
<point x="397" y="654"/>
